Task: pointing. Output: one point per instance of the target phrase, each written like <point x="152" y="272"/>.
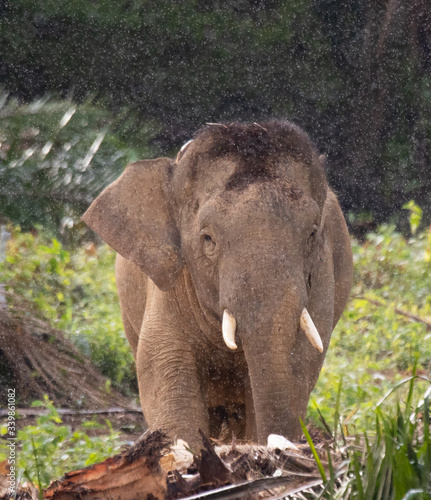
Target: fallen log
<point x="37" y="412"/>
<point x="151" y="469"/>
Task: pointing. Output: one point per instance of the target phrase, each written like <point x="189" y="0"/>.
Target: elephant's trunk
<point x="273" y="357"/>
<point x="278" y="354"/>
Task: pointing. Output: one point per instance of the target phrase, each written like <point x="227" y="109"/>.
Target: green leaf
<point x="415" y="215"/>
<point x="313" y="451"/>
<point x="37" y="404"/>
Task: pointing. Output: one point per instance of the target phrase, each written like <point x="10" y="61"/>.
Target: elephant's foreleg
<point x="132" y="292"/>
<point x="169" y="385"/>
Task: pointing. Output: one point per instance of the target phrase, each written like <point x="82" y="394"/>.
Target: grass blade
<point x="412" y="494"/>
<point x="313" y="451"/>
<point x="399" y="384"/>
<point x="38" y="469"/>
<point x="410" y="393"/>
<point x="337" y="409"/>
<point x="357" y="471"/>
<point x="322" y="419"/>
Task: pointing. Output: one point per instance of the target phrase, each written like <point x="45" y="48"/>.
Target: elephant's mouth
<point x="305" y="322"/>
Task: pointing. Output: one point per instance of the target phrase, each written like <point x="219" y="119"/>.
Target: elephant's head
<point x="247" y="210"/>
<point x="250" y="201"/>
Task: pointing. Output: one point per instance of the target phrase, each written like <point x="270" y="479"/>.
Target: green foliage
<point x="49" y="448"/>
<point x="56" y="156"/>
<point x="313" y="451"/>
<point x="398" y="459"/>
<point x="392" y="462"/>
<point x="182" y="62"/>
<point x="375" y="344"/>
<point x="96" y="324"/>
<point x="40" y="270"/>
<point x="77" y="293"/>
<point x="415" y="215"/>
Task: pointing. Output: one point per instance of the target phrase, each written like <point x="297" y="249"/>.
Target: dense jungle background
<point x="87" y="86"/>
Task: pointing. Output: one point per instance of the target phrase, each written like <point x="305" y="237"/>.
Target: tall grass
<point x="392" y="461"/>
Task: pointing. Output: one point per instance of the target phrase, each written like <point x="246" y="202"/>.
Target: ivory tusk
<point x="308" y="327"/>
<point x="181" y="151"/>
<point x="185" y="145"/>
<point x="228" y="329"/>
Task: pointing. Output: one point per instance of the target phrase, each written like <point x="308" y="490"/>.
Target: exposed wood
<point x="211" y="467"/>
<point x="132" y="475"/>
<point x="221" y="472"/>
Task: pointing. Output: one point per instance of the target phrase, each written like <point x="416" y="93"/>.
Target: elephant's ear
<point x="133" y="215"/>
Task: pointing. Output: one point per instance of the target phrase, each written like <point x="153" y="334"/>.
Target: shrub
<point x="48" y="449"/>
<point x="56" y="156"/>
<point x="385" y="328"/>
<point x="76" y="291"/>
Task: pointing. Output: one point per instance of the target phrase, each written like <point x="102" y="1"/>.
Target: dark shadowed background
<point x="356" y="74"/>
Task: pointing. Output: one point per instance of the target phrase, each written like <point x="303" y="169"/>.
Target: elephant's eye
<point x="314" y="232"/>
<point x="311" y="240"/>
<point x="209" y="245"/>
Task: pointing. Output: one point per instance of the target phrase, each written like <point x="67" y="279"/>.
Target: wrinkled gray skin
<point x="247" y="225"/>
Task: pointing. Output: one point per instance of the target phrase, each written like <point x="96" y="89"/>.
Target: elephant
<point x="234" y="265"/>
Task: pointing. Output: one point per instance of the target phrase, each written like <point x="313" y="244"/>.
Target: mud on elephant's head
<point x="246" y="209"/>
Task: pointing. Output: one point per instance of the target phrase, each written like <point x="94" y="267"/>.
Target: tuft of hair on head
<point x="253" y="145"/>
<point x="255" y="139"/>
